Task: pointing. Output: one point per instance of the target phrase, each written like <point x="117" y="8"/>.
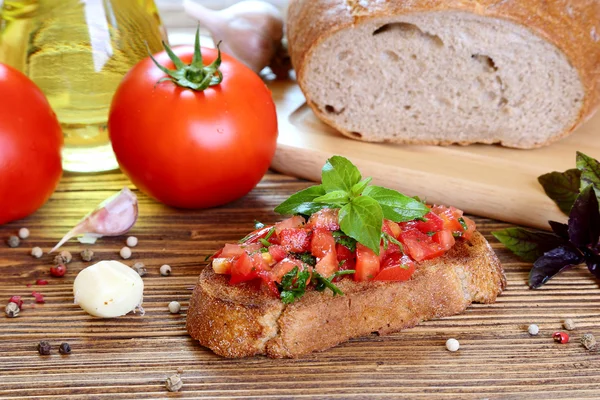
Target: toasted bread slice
<point x="240" y="320"/>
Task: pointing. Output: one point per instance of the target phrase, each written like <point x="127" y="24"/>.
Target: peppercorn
<point x="41" y="282"/>
<point x="533" y="329"/>
<point x="64" y="348"/>
<point x="452" y="345"/>
<point x="561" y="337"/>
<point x="64" y="257"/>
<point x="131" y="241"/>
<point x="44" y="348"/>
<point x="13" y="241"/>
<point x="174" y="383"/>
<point x="165" y="270"/>
<point x="568" y="324"/>
<point x="37" y="252"/>
<point x="588" y="341"/>
<point x="87" y="255"/>
<point x="17" y="300"/>
<point x="174" y="307"/>
<point x="23" y="233"/>
<point x="125" y="252"/>
<point x="58" y="270"/>
<point x="12" y="310"/>
<point x="140" y="268"/>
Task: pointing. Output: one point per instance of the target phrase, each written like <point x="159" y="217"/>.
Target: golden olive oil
<point x="77" y="52"/>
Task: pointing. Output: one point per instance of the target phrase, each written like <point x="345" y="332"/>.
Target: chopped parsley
<point x="306" y="258"/>
<point x="463" y="223"/>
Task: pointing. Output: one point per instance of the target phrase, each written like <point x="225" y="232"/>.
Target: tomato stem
<point x="195" y="76"/>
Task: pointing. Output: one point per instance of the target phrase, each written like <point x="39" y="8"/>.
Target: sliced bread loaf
<point x="521" y="73"/>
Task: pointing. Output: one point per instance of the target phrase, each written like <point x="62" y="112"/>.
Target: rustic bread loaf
<point x="240" y="321"/>
<point x="522" y="73"/>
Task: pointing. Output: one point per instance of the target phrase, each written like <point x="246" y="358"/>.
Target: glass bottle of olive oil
<point x="77" y="52"/>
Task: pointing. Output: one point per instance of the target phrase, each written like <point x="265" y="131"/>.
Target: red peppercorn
<point x="561" y="337"/>
<point x="41" y="282"/>
<point x="17" y="300"/>
<point x="58" y="270"/>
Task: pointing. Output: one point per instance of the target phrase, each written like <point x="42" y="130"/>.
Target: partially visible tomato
<point x="367" y="263"/>
<point x="30" y="144"/>
<point x="396" y="273"/>
<point x="445" y="239"/>
<point x="277" y="252"/>
<point x="346" y="258"/>
<point x="295" y="240"/>
<point x="327" y="265"/>
<point x="468" y="234"/>
<point x="187" y="148"/>
<point x="326" y="218"/>
<point x="231" y="250"/>
<point x="243" y="269"/>
<point x="322" y="242"/>
<point x="431" y="223"/>
<point x="420" y="246"/>
<point x="294" y="222"/>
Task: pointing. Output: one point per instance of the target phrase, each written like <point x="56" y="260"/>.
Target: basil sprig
<point x="362" y="206"/>
<point x="575" y="191"/>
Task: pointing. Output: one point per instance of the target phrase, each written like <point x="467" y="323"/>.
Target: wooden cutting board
<point x="484" y="180"/>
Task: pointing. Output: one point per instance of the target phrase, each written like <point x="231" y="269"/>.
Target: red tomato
<point x="30" y="143"/>
<point x="193" y="149"/>
<point x="326" y="218"/>
<point x="367" y="263"/>
<point x="283" y="267"/>
<point x="231" y="250"/>
<point x="294" y="222"/>
<point x="243" y="270"/>
<point x="346" y="257"/>
<point x="432" y="223"/>
<point x="391" y="228"/>
<point x="258" y="234"/>
<point x="295" y="240"/>
<point x="327" y="265"/>
<point x="468" y="234"/>
<point x="445" y="239"/>
<point x="322" y="243"/>
<point x="396" y="273"/>
<point x="449" y="216"/>
<point x="277" y="252"/>
<point x="420" y="246"/>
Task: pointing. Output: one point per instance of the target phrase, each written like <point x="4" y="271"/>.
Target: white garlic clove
<point x="108" y="289"/>
<point x="113" y="217"/>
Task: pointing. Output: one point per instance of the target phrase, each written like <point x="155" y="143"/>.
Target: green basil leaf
<point x="302" y="202"/>
<point x="360" y="187"/>
<point x="335" y="197"/>
<point x="362" y="219"/>
<point x="562" y="187"/>
<point x="590" y="171"/>
<point x="339" y="174"/>
<point x="529" y="245"/>
<point x="396" y="206"/>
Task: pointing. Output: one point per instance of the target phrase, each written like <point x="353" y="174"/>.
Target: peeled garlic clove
<point x="108" y="289"/>
<point x="113" y="217"/>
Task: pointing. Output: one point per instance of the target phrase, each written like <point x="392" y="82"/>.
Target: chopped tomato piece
<point x="251" y="248"/>
<point x="468" y="234"/>
<point x="231" y="250"/>
<point x="367" y="263"/>
<point x="326" y="218"/>
<point x="267" y="279"/>
<point x="222" y="265"/>
<point x="445" y="239"/>
<point x="449" y="216"/>
<point x="420" y="246"/>
<point x="259" y="262"/>
<point x="295" y="240"/>
<point x="283" y="267"/>
<point x="327" y="265"/>
<point x="396" y="273"/>
<point x="432" y="223"/>
<point x="391" y="228"/>
<point x="277" y="252"/>
<point x="257" y="235"/>
<point x="322" y="242"/>
<point x="243" y="270"/>
<point x="291" y="223"/>
<point x="346" y="258"/>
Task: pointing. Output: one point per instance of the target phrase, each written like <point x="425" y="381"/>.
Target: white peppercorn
<point x="132" y="241"/>
<point x="174" y="307"/>
<point x="13" y="241"/>
<point x="12" y="310"/>
<point x="533" y="329"/>
<point x="64" y="257"/>
<point x="452" y="345"/>
<point x="174" y="383"/>
<point x="125" y="252"/>
<point x="165" y="270"/>
<point x="23" y="233"/>
<point x="568" y="324"/>
<point x="140" y="268"/>
<point x="37" y="252"/>
<point x="87" y="255"/>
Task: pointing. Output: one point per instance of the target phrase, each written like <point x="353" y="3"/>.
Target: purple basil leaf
<point x="551" y="263"/>
<point x="560" y="229"/>
<point x="562" y="187"/>
<point x="593" y="263"/>
<point x="584" y="220"/>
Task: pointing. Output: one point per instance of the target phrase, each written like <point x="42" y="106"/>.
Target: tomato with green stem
<point x="193" y="128"/>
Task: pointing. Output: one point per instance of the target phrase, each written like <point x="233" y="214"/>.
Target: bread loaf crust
<point x="573" y="26"/>
<point x="240" y="321"/>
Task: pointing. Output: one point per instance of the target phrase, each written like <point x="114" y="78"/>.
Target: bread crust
<point x="571" y="25"/>
<point x="240" y="320"/>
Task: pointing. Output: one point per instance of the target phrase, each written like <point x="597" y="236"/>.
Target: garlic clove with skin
<point x="250" y="31"/>
<point x="113" y="217"/>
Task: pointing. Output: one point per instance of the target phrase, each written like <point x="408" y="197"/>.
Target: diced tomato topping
<point x="231" y="250"/>
<point x="432" y="223"/>
<point x="257" y="235"/>
<point x="327" y="265"/>
<point x="468" y="234"/>
<point x="283" y="267"/>
<point x="259" y="262"/>
<point x="445" y="239"/>
<point x="277" y="252"/>
<point x="295" y="240"/>
<point x="396" y="273"/>
<point x="346" y="258"/>
<point x="243" y="269"/>
<point x="267" y="279"/>
<point x="420" y="246"/>
<point x="326" y="218"/>
<point x="322" y="242"/>
<point x="291" y="223"/>
<point x="251" y="248"/>
<point x="391" y="228"/>
<point x="449" y="216"/>
<point x="367" y="263"/>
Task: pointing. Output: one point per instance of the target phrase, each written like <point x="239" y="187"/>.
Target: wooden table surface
<point x="130" y="357"/>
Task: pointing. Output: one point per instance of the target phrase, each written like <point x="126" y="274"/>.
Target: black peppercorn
<point x="44" y="348"/>
<point x="64" y="348"/>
